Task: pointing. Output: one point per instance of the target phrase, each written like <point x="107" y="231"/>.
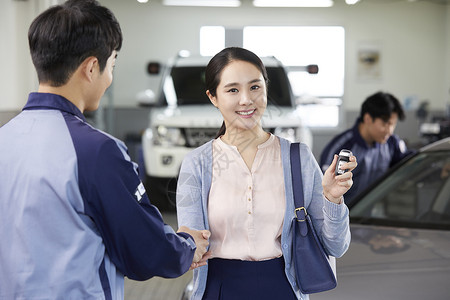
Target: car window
<point x="189" y="84"/>
<point x="417" y="194"/>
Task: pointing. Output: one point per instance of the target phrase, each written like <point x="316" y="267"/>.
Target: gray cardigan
<point x="330" y="220"/>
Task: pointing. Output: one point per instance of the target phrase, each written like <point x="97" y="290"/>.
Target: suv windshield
<point x="414" y="195"/>
<point x="189" y="84"/>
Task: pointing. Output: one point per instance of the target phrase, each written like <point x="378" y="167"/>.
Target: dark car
<point x="400" y="227"/>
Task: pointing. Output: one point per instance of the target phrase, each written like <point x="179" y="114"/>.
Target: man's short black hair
<point x="63" y="36"/>
<point x="381" y="105"/>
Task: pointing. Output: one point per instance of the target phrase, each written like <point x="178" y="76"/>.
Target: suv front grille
<point x="198" y="136"/>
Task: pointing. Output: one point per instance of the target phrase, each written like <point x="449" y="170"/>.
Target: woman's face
<point x="241" y="96"/>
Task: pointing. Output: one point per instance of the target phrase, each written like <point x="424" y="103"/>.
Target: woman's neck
<point x="243" y="139"/>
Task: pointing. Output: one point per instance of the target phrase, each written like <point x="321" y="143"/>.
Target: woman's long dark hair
<point x="216" y="65"/>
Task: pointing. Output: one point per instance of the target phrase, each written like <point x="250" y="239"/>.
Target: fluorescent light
<point x="142" y="1"/>
<point x="221" y="3"/>
<point x="351" y="2"/>
<point x="293" y="3"/>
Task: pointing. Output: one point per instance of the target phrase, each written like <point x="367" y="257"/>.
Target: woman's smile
<point x="246" y="113"/>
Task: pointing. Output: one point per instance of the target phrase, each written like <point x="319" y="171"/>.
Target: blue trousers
<point x="230" y="279"/>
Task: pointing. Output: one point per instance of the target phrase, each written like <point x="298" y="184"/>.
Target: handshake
<point x="201" y="238"/>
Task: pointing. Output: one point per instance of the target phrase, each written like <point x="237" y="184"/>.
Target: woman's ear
<point x="211" y="98"/>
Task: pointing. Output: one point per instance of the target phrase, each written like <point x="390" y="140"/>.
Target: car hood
<point x="203" y="116"/>
<point x="393" y="263"/>
<point x="209" y="116"/>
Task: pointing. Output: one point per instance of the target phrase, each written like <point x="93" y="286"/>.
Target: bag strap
<point x="297" y="187"/>
<point x="297" y="183"/>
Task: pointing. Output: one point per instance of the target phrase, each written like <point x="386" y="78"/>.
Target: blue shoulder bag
<point x="312" y="263"/>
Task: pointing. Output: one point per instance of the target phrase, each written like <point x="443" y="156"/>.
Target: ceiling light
<point x="351" y="2"/>
<point x="293" y="3"/>
<point x="142" y="1"/>
<point x="221" y="3"/>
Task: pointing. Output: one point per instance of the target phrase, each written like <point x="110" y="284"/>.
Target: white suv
<point x="182" y="118"/>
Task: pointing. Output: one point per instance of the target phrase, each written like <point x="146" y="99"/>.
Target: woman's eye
<point x="254" y="87"/>
<point x="233" y="90"/>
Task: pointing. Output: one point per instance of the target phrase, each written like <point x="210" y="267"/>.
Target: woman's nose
<point x="245" y="99"/>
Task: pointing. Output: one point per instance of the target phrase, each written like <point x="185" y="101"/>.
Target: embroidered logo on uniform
<point x="140" y="191"/>
<point x="402" y="146"/>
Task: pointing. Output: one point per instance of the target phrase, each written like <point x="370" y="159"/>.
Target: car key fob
<point x="344" y="157"/>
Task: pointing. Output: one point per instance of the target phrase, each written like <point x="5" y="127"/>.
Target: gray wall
<point x="414" y="39"/>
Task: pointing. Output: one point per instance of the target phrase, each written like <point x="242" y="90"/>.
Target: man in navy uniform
<point x="372" y="140"/>
<point x="75" y="217"/>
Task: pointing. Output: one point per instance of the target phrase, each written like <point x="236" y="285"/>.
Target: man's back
<point x="39" y="193"/>
<point x="74" y="217"/>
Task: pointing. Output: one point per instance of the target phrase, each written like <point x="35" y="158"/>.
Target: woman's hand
<point x="202" y="262"/>
<point x="336" y="186"/>
<point x="201" y="239"/>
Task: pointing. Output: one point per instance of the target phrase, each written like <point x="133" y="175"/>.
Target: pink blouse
<point x="246" y="207"/>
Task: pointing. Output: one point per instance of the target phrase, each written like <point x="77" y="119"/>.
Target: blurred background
<point x="398" y="46"/>
<point x="361" y="47"/>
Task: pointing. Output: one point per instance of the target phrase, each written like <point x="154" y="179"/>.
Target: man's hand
<point x="202" y="261"/>
<point x="201" y="239"/>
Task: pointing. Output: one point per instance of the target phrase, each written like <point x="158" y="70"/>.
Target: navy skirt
<point x="230" y="279"/>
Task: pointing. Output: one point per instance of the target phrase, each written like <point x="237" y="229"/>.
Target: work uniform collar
<point x="52" y="101"/>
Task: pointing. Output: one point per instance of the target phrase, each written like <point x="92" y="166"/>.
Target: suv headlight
<point x="168" y="136"/>
<point x="288" y="133"/>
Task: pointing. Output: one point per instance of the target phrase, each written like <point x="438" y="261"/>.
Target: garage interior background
<point x="414" y="35"/>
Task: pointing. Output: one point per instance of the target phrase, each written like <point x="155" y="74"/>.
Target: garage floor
<point x="158" y="288"/>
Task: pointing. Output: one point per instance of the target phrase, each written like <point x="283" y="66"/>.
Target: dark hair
<point x="382" y="105"/>
<point x="216" y="65"/>
<point x="63" y="36"/>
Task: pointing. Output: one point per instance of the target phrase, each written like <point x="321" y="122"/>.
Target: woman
<point x="239" y="187"/>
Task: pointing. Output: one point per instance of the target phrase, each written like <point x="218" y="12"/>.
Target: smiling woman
<point x="239" y="186"/>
